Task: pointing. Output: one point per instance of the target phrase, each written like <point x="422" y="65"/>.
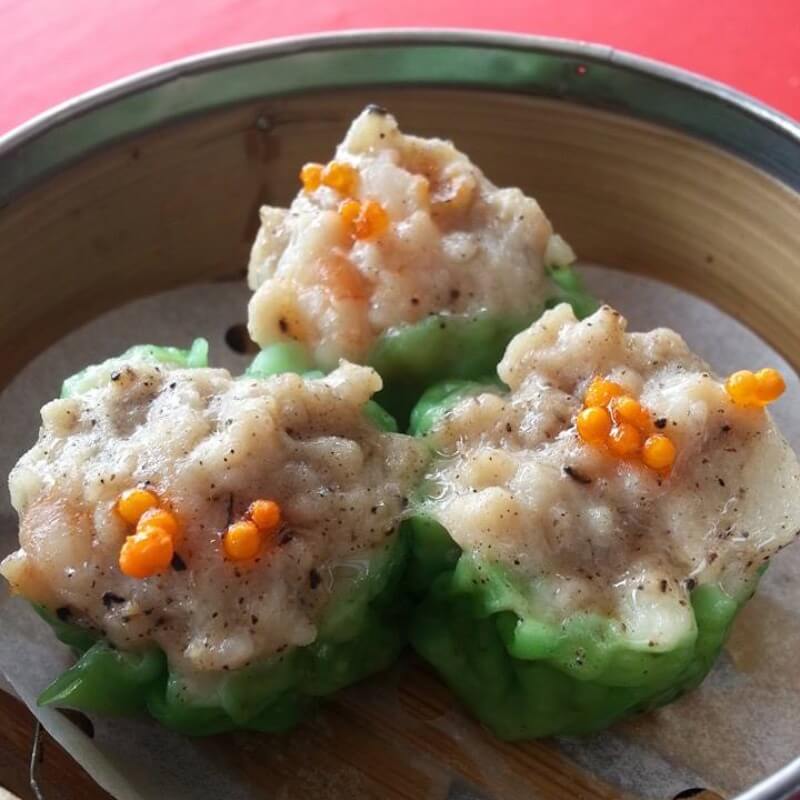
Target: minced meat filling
<point x="586" y="530"/>
<point x="208" y="445"/>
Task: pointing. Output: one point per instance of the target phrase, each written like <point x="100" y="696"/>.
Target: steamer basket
<point x="154" y="183"/>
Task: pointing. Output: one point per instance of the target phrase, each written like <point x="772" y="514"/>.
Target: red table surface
<point x="51" y="50"/>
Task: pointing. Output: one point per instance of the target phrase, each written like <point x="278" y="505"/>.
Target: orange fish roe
<point x="741" y="386"/>
<point x="151" y="549"/>
<point x="242" y="540"/>
<point x="245" y="539"/>
<point x="755" y="390"/>
<point x="367" y="220"/>
<point x="341" y="177"/>
<point x="158" y="518"/>
<point x="146" y="553"/>
<point x="349" y="211"/>
<point x="266" y="514"/>
<point x="372" y="222"/>
<point x="612" y="418"/>
<point x="594" y="425"/>
<point x="133" y="503"/>
<point x="658" y="452"/>
<point x="311" y="176"/>
<point x="624" y="440"/>
<point x="601" y="392"/>
<point x="625" y="409"/>
<point x="770" y="385"/>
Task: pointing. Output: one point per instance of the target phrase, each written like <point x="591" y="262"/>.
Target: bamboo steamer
<point x="155" y="183"/>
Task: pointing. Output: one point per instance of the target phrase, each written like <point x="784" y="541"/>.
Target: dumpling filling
<point x="270" y="494"/>
<point x="394" y="229"/>
<point x="618" y="474"/>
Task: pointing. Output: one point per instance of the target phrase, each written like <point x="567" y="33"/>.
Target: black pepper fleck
<point x="314" y="578"/>
<point x="577" y="476"/>
<point x="110" y="599"/>
<point x="178" y="564"/>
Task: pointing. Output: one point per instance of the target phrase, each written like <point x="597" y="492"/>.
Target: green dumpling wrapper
<point x="525" y="678"/>
<point x="361" y="631"/>
<point x="526" y="654"/>
<point x="410" y="358"/>
<point x="175" y="357"/>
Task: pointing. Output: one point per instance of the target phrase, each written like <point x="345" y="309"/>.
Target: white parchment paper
<point x="741" y="725"/>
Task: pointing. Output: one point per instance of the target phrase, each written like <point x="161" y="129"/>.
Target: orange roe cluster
<point x="338" y="175"/>
<point x="367" y="220"/>
<point x="755" y="389"/>
<point x="244" y="539"/>
<point x="151" y="548"/>
<point x="311" y="176"/>
<point x="612" y="418"/>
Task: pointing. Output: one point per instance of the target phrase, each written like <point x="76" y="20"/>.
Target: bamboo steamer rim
<point x="540" y="65"/>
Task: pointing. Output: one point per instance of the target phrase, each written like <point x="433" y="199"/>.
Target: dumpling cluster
<point x="567" y="531"/>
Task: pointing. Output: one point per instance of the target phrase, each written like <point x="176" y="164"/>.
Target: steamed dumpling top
<point x="396" y="228"/>
<point x="583" y="529"/>
<point x="207" y="446"/>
